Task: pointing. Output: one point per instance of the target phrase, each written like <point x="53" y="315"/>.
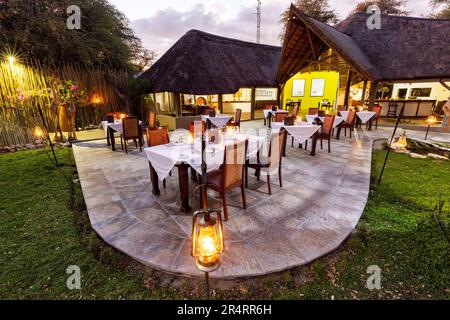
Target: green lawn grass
<point x="44" y="229"/>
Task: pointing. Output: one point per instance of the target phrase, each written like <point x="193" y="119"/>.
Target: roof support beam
<point x="446" y="86"/>
<point x="312" y="45"/>
<point x="347" y="88"/>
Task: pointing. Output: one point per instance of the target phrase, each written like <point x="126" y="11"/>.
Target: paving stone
<point x="321" y="202"/>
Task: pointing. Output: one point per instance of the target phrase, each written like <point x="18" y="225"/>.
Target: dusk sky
<point x="159" y="23"/>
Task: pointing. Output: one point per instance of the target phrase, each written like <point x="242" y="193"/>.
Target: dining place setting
<point x="226" y="151"/>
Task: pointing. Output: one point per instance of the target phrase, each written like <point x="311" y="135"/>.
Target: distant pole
<point x="400" y="117"/>
<point x="48" y="134"/>
<point x="258" y="20"/>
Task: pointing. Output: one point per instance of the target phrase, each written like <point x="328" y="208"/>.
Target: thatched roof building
<point x="405" y="48"/>
<point x="202" y="63"/>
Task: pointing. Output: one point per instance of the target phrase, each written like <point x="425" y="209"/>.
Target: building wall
<point x="330" y="91"/>
<point x="438" y="92"/>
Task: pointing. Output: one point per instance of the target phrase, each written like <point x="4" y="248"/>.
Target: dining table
<point x="300" y="131"/>
<point x="337" y="120"/>
<point x="220" y="121"/>
<point x="117" y="127"/>
<point x="164" y="158"/>
<point x="270" y="114"/>
<point x="363" y="116"/>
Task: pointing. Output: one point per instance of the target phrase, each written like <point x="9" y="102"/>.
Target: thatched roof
<point x="405" y="48"/>
<point x="202" y="63"/>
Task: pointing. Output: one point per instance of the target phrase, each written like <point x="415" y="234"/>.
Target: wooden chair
<point x="327" y="131"/>
<point x="378" y="110"/>
<point x="194" y="128"/>
<point x="236" y="121"/>
<point x="158" y="137"/>
<point x="152" y="120"/>
<point x="270" y="163"/>
<point x="341" y="108"/>
<point x="131" y="131"/>
<point x="349" y="123"/>
<point x="295" y="111"/>
<point x="280" y="116"/>
<point x="267" y="107"/>
<point x="231" y="175"/>
<point x="313" y="111"/>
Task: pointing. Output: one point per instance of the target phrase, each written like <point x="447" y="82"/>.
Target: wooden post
<point x="364" y="92"/>
<point x="347" y="89"/>
<point x="253" y="107"/>
<point x="372" y="97"/>
<point x="221" y="103"/>
<point x="373" y="94"/>
<point x="177" y="104"/>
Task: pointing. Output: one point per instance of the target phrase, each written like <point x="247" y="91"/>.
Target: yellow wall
<point x="331" y="86"/>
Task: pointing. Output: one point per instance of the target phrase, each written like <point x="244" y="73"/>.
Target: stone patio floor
<point x="318" y="207"/>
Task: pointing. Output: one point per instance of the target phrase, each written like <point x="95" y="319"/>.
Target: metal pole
<point x="428" y="130"/>
<point x="207" y="285"/>
<point x="48" y="134"/>
<point x="400" y="116"/>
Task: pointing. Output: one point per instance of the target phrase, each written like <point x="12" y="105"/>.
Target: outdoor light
<point x="38" y="133"/>
<point x="402" y="142"/>
<point x="430" y="120"/>
<point x="207" y="240"/>
<point x="97" y="99"/>
<point x="11" y="59"/>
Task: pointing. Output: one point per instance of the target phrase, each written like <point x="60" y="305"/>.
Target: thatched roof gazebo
<point x="404" y="49"/>
<point x="205" y="64"/>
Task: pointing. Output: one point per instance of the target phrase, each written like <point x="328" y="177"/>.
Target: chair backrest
<point x="280" y="116"/>
<point x="197" y="128"/>
<point x="269" y="107"/>
<point x="212" y="113"/>
<point x="157" y="137"/>
<point x="130" y="127"/>
<point x="152" y="120"/>
<point x="313" y="111"/>
<point x="377" y="109"/>
<point x="238" y="116"/>
<point x="277" y="141"/>
<point x="110" y="118"/>
<point x="295" y="111"/>
<point x="234" y="163"/>
<point x="327" y="127"/>
<point x="342" y="108"/>
<point x="351" y="118"/>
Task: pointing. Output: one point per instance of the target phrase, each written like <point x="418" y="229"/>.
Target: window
<point x="420" y="92"/>
<point x="243" y="95"/>
<point x="402" y="93"/>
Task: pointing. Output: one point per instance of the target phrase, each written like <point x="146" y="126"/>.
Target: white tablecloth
<point x="337" y="120"/>
<point x="116" y="126"/>
<point x="300" y="131"/>
<point x="164" y="158"/>
<point x="270" y="112"/>
<point x="220" y="121"/>
<point x="365" y="116"/>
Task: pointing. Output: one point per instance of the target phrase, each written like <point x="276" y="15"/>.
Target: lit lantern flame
<point x="38" y="133"/>
<point x="299" y="119"/>
<point x="11" y="59"/>
<point x="207" y="241"/>
<point x="402" y="142"/>
<point x="97" y="99"/>
<point x="432" y="119"/>
<point x="123" y="116"/>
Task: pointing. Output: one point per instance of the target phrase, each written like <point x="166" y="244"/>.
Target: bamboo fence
<point x="17" y="120"/>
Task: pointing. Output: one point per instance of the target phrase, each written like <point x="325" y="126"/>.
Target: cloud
<point x="161" y="30"/>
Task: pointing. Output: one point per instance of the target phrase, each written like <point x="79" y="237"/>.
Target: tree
<point x="391" y="7"/>
<point x="318" y="9"/>
<point x="37" y="29"/>
<point x="445" y="11"/>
